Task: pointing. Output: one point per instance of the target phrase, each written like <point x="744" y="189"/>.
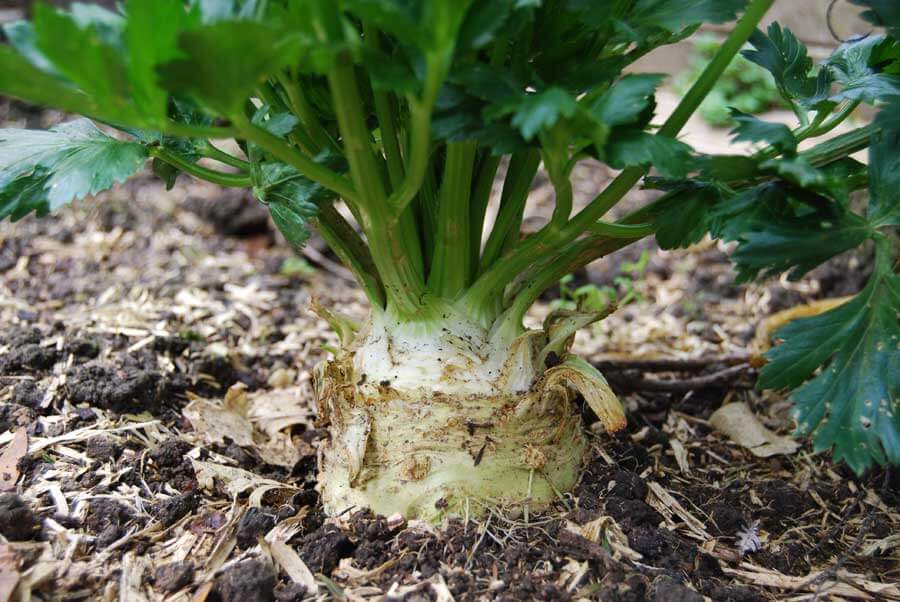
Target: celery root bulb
<point x="444" y="420"/>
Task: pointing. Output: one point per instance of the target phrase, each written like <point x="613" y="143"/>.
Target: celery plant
<point x="403" y="110"/>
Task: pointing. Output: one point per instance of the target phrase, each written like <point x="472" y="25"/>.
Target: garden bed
<point x="136" y="326"/>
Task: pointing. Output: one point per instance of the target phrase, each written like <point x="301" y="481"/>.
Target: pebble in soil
<point x="173" y="576"/>
<point x="102" y="448"/>
<point x="669" y="590"/>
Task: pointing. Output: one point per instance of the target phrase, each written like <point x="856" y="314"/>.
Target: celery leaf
<point x="884" y="13"/>
<point x="752" y="129"/>
<point x="541" y="111"/>
<point x="853" y="67"/>
<point x="884" y="180"/>
<point x="851" y="404"/>
<point x="634" y="147"/>
<point x="290" y="197"/>
<point x="675" y="16"/>
<point x="624" y="102"/>
<point x="786" y="58"/>
<point x="42" y="170"/>
<point x="223" y="62"/>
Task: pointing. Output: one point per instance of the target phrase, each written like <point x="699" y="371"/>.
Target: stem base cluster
<point x="444" y="453"/>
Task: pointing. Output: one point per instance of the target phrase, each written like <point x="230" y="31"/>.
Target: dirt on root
<point x="119" y="312"/>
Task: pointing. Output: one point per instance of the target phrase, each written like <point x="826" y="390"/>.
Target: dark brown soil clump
<point x="173" y="576"/>
<point x="247" y="581"/>
<point x="17" y="522"/>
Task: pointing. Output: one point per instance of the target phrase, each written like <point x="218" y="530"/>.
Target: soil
<point x="247" y="581"/>
<point x="120" y="311"/>
<point x="17" y="522"/>
<point x="254" y="524"/>
<point x="173" y="576"/>
<point x="170" y="511"/>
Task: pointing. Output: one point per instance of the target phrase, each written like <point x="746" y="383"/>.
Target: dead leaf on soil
<point x="260" y="420"/>
<point x="293" y="565"/>
<point x="667" y="505"/>
<point x="236" y="480"/>
<point x="439" y="590"/>
<point x="748" y="539"/>
<point x="347" y="572"/>
<point x="606" y="531"/>
<point x="9" y="461"/>
<point x="572" y="574"/>
<point x="42" y="567"/>
<point x="681" y="456"/>
<point x="8" y="581"/>
<point x="203" y="592"/>
<point x="223" y="547"/>
<point x="275" y="412"/>
<point x="762" y="341"/>
<point x="882" y="545"/>
<point x="846" y="585"/>
<point x="9" y="574"/>
<point x="741" y="425"/>
<point x="214" y="422"/>
<point x="131" y="578"/>
<point x="282" y="378"/>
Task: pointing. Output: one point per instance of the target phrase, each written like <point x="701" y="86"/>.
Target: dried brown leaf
<point x="9" y="461"/>
<point x="260" y="420"/>
<point x="293" y="565"/>
<point x="740" y="424"/>
<point x="9" y="574"/>
<point x="236" y="480"/>
<point x="214" y="422"/>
